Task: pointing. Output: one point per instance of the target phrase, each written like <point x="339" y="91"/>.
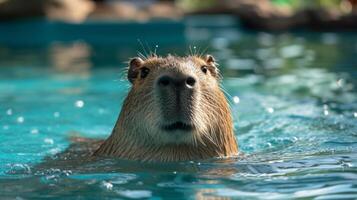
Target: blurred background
<point x="74" y="35"/>
<point x="289" y="68"/>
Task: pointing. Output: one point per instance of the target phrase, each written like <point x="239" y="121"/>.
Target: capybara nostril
<point x="164" y="81"/>
<point x="190" y="81"/>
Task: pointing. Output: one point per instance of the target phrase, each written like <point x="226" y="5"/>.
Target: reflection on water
<point x="71" y="58"/>
<point x="293" y="97"/>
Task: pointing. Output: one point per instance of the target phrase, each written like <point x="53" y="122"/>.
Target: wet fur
<point x="136" y="137"/>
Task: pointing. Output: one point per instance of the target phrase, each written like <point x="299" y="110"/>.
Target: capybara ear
<point x="212" y="65"/>
<point x="134" y="65"/>
<point x="210" y="60"/>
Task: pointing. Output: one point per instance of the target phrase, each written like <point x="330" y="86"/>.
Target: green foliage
<point x="191" y="5"/>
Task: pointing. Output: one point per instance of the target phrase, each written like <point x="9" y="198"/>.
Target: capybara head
<point x="175" y="99"/>
<point x="175" y="111"/>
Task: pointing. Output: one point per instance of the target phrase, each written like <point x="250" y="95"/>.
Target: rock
<point x="165" y="10"/>
<point x="65" y="10"/>
<point x="68" y="10"/>
<point x="15" y="9"/>
<point x="130" y="11"/>
<point x="264" y="15"/>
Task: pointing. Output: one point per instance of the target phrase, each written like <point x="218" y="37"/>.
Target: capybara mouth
<point x="178" y="126"/>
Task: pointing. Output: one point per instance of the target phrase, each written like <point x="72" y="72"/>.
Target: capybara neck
<point x="175" y="111"/>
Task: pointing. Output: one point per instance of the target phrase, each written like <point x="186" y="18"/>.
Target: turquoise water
<point x="293" y="97"/>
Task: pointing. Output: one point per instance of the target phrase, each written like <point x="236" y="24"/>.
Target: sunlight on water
<point x="293" y="99"/>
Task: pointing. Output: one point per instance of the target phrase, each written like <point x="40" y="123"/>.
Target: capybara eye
<point x="144" y="72"/>
<point x="204" y="69"/>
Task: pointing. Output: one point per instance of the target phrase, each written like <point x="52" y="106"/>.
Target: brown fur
<point x="131" y="137"/>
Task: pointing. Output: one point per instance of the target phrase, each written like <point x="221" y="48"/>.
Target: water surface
<point x="293" y="97"/>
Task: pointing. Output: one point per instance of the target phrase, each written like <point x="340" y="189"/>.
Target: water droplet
<point x="156" y="46"/>
<point x="20" y="119"/>
<point x="56" y="114"/>
<point x="198" y="163"/>
<point x="48" y="141"/>
<point x="34" y="131"/>
<point x="194" y="47"/>
<point x="236" y="99"/>
<point x="79" y="104"/>
<point x="175" y="172"/>
<point x="355" y="114"/>
<point x="270" y="110"/>
<point x="107" y="185"/>
<point x="9" y="111"/>
<point x="326" y="112"/>
<point x="340" y="82"/>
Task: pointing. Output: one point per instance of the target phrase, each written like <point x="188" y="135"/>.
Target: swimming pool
<point x="293" y="97"/>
